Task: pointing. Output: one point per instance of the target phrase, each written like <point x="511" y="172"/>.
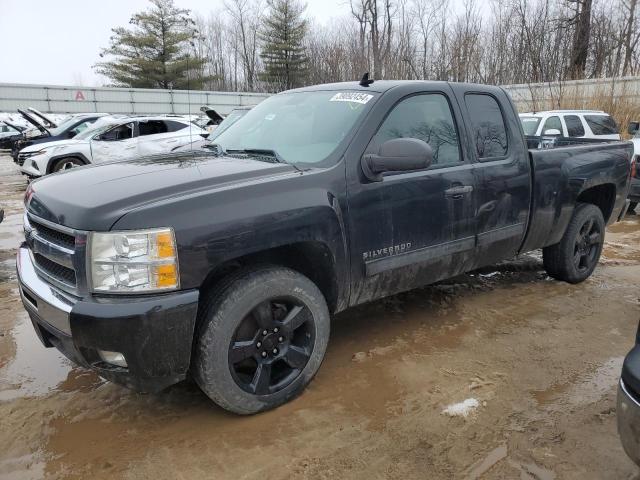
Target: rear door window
<point x="489" y="132"/>
<point x="574" y="126"/>
<point x="602" y="124"/>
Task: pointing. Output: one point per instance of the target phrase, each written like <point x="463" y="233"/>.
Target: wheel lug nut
<point x="275" y="351"/>
<point x="259" y="344"/>
<point x="264" y="354"/>
<point x="275" y="330"/>
<point x="264" y="332"/>
<point x="280" y="339"/>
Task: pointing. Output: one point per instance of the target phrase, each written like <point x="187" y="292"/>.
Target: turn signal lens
<point x="634" y="167"/>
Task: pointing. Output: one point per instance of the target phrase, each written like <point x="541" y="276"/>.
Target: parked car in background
<point x="208" y="142"/>
<point x="66" y="130"/>
<point x="226" y="265"/>
<point x="594" y="124"/>
<point x="111" y="138"/>
<point x="9" y="133"/>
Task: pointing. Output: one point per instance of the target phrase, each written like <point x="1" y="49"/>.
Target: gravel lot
<point x="540" y="358"/>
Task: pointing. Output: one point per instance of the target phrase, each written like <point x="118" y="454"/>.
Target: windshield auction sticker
<point x="353" y="97"/>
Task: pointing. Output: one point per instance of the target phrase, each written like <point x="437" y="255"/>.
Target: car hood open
<point x="32" y="120"/>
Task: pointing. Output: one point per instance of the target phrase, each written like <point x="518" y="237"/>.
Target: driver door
<point x="119" y="143"/>
<point x="414" y="228"/>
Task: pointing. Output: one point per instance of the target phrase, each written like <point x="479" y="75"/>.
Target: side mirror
<point x="633" y="128"/>
<point x="71" y="134"/>
<point x="397" y="155"/>
<point x="552" y="131"/>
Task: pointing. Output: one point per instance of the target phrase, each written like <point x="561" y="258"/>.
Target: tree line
<point x="272" y="45"/>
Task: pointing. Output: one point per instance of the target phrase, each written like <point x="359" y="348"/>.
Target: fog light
<point x="114" y="358"/>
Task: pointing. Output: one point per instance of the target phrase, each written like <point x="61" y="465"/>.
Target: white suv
<point x="110" y="138"/>
<point x="570" y="123"/>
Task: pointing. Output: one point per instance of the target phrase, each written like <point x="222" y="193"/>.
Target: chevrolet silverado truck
<point x="225" y="266"/>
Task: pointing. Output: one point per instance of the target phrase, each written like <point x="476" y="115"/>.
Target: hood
<point x="95" y="197"/>
<point x="32" y="120"/>
<point x="56" y="143"/>
<point x="47" y="121"/>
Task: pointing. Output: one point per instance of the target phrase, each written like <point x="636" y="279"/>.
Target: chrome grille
<point x="55" y="270"/>
<point x="58" y="253"/>
<point x="55" y="236"/>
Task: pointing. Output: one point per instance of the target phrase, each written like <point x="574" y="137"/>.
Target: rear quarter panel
<point x="560" y="175"/>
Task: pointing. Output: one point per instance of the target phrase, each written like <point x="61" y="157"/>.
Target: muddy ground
<point x="540" y="357"/>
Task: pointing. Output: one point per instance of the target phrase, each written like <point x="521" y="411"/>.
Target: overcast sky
<point x="57" y="41"/>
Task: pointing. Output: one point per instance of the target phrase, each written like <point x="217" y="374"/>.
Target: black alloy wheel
<point x="271" y="346"/>
<point x="586" y="248"/>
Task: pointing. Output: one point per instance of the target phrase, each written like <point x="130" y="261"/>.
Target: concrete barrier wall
<point x="577" y="93"/>
<point x="68" y="99"/>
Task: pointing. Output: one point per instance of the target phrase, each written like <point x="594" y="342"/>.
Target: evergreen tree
<point x="153" y="53"/>
<point x="283" y="53"/>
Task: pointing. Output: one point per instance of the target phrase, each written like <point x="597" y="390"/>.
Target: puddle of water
<point x="27" y="467"/>
<point x="588" y="389"/>
<point x="7" y="270"/>
<point x="11" y="233"/>
<point x="597" y="384"/>
<point x="35" y="370"/>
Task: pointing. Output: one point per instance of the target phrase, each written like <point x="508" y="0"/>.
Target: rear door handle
<point x="458" y="192"/>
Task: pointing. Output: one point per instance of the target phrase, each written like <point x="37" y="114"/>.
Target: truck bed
<point x="560" y="173"/>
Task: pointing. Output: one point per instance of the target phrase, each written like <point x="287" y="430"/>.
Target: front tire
<point x="632" y="208"/>
<point x="262" y="337"/>
<point x="66" y="164"/>
<point x="575" y="257"/>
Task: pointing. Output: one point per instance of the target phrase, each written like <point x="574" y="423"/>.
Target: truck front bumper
<point x="153" y="333"/>
<point x="628" y="405"/>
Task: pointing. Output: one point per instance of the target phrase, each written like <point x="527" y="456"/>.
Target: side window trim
<point x="447" y="97"/>
<point x="506" y="128"/>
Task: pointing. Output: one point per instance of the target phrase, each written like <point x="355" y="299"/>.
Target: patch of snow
<point x="462" y="409"/>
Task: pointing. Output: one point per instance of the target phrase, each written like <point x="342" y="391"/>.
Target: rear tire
<point x="66" y="164"/>
<point x="238" y="365"/>
<point x="575" y="257"/>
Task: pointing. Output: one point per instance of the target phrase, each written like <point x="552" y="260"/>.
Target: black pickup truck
<point x="226" y="266"/>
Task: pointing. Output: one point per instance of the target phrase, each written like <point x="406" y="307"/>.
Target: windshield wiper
<point x="215" y="147"/>
<point x="265" y="152"/>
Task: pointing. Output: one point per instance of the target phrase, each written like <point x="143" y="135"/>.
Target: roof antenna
<point x="365" y="82"/>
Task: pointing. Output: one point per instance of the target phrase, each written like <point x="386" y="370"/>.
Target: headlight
<point x="134" y="261"/>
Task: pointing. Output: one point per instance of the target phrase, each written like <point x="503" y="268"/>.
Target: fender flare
<point x="55" y="158"/>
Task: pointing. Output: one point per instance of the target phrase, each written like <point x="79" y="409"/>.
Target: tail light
<point x="634" y="167"/>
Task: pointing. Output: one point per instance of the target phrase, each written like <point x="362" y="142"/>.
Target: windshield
<point x="530" y="125"/>
<point x="302" y="127"/>
<point x="97" y="128"/>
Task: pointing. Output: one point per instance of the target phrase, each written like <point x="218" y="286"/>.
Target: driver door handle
<point x="458" y="192"/>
